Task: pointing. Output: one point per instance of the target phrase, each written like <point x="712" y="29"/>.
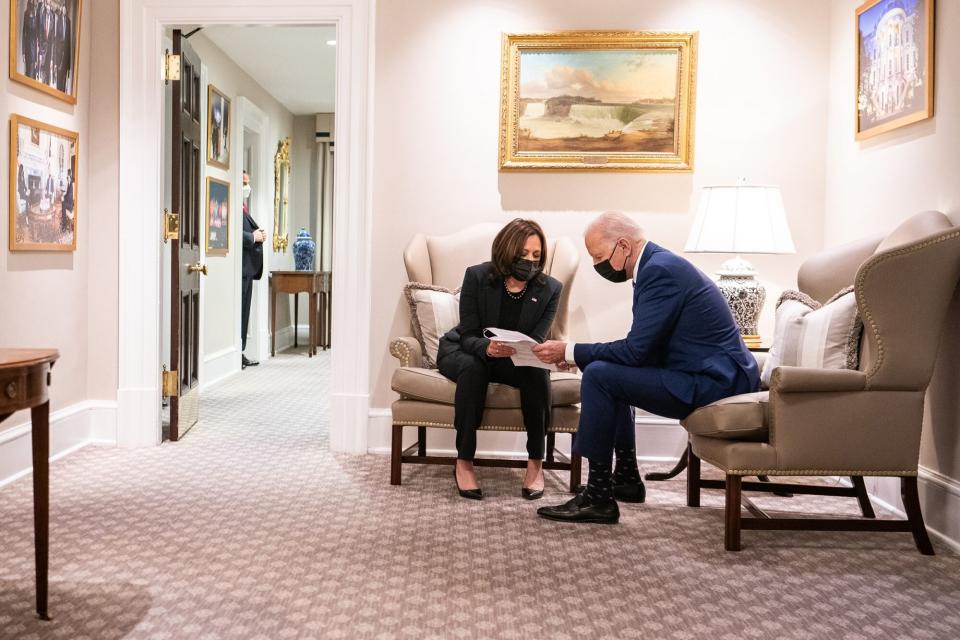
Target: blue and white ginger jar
<point x="304" y="251"/>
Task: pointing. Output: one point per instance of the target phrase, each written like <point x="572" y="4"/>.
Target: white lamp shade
<point x="740" y="219"/>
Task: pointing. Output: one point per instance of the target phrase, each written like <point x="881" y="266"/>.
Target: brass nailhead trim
<point x="483" y="427"/>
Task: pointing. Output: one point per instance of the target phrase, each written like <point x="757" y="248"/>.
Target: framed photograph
<point x="218" y="128"/>
<point x="894" y="64"/>
<point x="43" y="188"/>
<point x="44" y="45"/>
<point x="598" y="101"/>
<point x="218" y="217"/>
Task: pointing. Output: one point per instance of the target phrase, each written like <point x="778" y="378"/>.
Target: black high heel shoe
<point x="531" y="494"/>
<point x="470" y="494"/>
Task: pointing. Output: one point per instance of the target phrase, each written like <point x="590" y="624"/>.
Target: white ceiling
<point x="293" y="63"/>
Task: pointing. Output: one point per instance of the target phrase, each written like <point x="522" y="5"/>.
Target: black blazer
<point x="252" y="251"/>
<point x="480" y="308"/>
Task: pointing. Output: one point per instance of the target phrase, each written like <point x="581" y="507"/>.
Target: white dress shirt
<point x="568" y="354"/>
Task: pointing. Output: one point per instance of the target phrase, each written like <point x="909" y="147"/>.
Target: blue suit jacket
<point x="682" y="326"/>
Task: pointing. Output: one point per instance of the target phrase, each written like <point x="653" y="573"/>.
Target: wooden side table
<point x="24" y="384"/>
<point x="296" y="282"/>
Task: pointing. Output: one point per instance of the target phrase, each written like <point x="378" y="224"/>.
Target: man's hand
<point x="259" y="235"/>
<point x="551" y="351"/>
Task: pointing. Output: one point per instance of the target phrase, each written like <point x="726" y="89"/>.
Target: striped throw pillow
<point x="433" y="312"/>
<point x="808" y="334"/>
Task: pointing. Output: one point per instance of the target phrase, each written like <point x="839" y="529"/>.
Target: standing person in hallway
<point x="28" y="39"/>
<point x="509" y="292"/>
<point x="683" y="351"/>
<point x="253" y="237"/>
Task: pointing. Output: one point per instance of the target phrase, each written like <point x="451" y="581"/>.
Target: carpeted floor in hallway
<point x="251" y="528"/>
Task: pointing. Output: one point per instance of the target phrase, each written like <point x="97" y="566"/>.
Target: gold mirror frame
<point x="281" y="193"/>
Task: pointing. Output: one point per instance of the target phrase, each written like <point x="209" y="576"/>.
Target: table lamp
<point x="741" y="219"/>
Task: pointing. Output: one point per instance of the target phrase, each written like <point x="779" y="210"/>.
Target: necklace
<point x="515" y="296"/>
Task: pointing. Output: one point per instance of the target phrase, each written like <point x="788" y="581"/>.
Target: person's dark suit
<point x="66" y="221"/>
<point x="28" y="41"/>
<point x="462" y="356"/>
<point x="683" y="351"/>
<point x="252" y="270"/>
<point x="66" y="65"/>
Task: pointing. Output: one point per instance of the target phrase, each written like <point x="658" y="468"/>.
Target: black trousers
<point x="472" y="375"/>
<point x="247" y="295"/>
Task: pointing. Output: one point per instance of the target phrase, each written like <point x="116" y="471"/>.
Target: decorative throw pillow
<point x="808" y="334"/>
<point x="433" y="312"/>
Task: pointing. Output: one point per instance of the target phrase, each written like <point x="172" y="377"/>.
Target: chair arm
<point x="809" y="380"/>
<point x="407" y="351"/>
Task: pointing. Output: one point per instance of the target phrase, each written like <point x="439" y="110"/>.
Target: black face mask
<point x="606" y="270"/>
<point x="523" y="270"/>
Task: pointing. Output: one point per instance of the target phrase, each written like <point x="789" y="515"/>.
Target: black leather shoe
<point x="580" y="509"/>
<point x="630" y="492"/>
<point x="245" y="362"/>
<point x="531" y="494"/>
<point x="470" y="494"/>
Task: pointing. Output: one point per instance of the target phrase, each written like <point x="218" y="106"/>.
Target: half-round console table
<point x="24" y="384"/>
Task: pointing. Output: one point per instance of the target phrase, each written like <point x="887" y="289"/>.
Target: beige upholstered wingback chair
<point x="426" y="396"/>
<point x="817" y="422"/>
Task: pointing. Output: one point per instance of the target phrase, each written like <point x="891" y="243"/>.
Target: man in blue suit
<point x="683" y="351"/>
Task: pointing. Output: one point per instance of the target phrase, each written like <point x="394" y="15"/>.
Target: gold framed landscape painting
<point x="43" y="189"/>
<point x="894" y="64"/>
<point x="45" y="45"/>
<point x="598" y="101"/>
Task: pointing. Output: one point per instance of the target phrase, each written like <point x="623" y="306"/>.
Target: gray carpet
<point x="250" y="528"/>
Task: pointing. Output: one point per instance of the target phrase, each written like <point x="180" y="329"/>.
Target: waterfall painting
<point x="598" y="101"/>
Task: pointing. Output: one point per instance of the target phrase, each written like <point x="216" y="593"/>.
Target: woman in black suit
<point x="509" y="292"/>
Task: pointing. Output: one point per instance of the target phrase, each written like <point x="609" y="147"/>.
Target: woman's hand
<point x="499" y="350"/>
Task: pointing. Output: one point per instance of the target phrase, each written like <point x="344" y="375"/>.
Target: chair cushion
<point x="742" y="417"/>
<point x="429" y="384"/>
<point x="433" y="312"/>
<point x="807" y="334"/>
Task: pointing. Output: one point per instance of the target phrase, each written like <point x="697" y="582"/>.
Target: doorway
<point x="142" y="24"/>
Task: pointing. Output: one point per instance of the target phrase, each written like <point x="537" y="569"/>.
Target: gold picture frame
<point x="26" y="69"/>
<point x="889" y="98"/>
<point x="218" y="131"/>
<point x="598" y="101"/>
<point x="281" y="196"/>
<point x="217" y="214"/>
<point x="43" y="186"/>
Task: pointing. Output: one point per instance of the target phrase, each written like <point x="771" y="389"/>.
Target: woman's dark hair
<point x="508" y="246"/>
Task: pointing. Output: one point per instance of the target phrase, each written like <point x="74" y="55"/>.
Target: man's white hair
<point x="612" y="225"/>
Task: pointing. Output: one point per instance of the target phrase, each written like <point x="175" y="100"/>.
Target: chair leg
<point x="396" y="450"/>
<point x="865" y="507"/>
<point x="693" y="478"/>
<point x="731" y="539"/>
<point x="911" y="504"/>
<point x="551" y="446"/>
<point x="421" y="441"/>
<point x="576" y="465"/>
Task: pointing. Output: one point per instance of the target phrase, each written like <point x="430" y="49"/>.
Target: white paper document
<point x="522" y="343"/>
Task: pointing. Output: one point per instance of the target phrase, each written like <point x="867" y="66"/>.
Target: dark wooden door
<point x="185" y="259"/>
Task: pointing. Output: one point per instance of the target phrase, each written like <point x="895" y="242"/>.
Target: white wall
<point x="873" y="185"/>
<point x="761" y="113"/>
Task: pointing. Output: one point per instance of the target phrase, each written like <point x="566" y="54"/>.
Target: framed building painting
<point x="598" y="101"/>
<point x="218" y="128"/>
<point x="218" y="217"/>
<point x="43" y="187"/>
<point x="44" y="45"/>
<point x="894" y="64"/>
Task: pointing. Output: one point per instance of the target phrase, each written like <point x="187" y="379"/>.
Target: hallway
<point x="250" y="528"/>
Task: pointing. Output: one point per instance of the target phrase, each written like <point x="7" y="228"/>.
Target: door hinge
<point x="171" y="225"/>
<point x="171" y="383"/>
<point x="171" y="67"/>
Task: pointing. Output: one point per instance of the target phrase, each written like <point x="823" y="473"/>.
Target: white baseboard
<point x="219" y="366"/>
<point x="658" y="439"/>
<point x="71" y="428"/>
<point x="939" y="502"/>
